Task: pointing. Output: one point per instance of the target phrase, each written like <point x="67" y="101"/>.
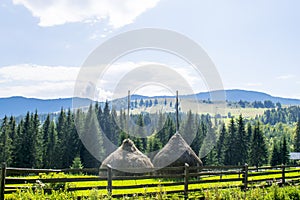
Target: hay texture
<point x="127" y="159"/>
<point x="176" y="153"/>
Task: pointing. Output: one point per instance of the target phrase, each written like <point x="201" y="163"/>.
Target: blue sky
<point x="255" y="45"/>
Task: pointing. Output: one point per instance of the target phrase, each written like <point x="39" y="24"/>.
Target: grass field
<point x="159" y="189"/>
<point x="202" y="108"/>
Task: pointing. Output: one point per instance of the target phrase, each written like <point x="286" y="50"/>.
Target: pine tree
<point x="77" y="164"/>
<point x="61" y="139"/>
<point x="297" y="137"/>
<point x="38" y="142"/>
<point x="189" y="130"/>
<point x="249" y="138"/>
<point x="140" y="132"/>
<point x="202" y="131"/>
<point x="13" y="137"/>
<point x="92" y="138"/>
<point x="122" y="137"/>
<point x="46" y="129"/>
<point x="28" y="143"/>
<point x="71" y="140"/>
<point x="171" y="128"/>
<point x="284" y="152"/>
<point x="162" y="134"/>
<point x="220" y="148"/>
<point x="196" y="144"/>
<point x="211" y="158"/>
<point x="107" y="126"/>
<point x="18" y="143"/>
<point x="141" y="104"/>
<point x="208" y="150"/>
<point x="153" y="145"/>
<point x="13" y="128"/>
<point x="51" y="147"/>
<point x="258" y="151"/>
<point x="241" y="142"/>
<point x="275" y="158"/>
<point x="231" y="151"/>
<point x="122" y="121"/>
<point x="5" y="142"/>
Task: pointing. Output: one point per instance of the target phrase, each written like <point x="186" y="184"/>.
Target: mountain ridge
<point x="18" y="105"/>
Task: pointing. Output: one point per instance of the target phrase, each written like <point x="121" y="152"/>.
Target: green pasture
<point x="159" y="182"/>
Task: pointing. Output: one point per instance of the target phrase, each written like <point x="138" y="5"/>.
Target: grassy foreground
<point x="272" y="193"/>
<point x="204" y="190"/>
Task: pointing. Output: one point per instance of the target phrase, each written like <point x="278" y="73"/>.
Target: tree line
<point x="289" y="114"/>
<point x="55" y="142"/>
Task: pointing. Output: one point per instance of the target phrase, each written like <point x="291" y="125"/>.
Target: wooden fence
<point x="190" y="178"/>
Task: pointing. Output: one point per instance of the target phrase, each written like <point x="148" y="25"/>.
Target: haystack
<point x="127" y="159"/>
<point x="176" y="153"/>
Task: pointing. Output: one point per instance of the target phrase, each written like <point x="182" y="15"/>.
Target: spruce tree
<point x="220" y="148"/>
<point x="18" y="143"/>
<point x="170" y="128"/>
<point x="5" y="142"/>
<point x="249" y="138"/>
<point x="71" y="140"/>
<point x="13" y="137"/>
<point x="38" y="142"/>
<point x="163" y="134"/>
<point x="93" y="140"/>
<point x="211" y="158"/>
<point x="28" y="143"/>
<point x="46" y="128"/>
<point x="50" y="160"/>
<point x="202" y="132"/>
<point x="189" y="130"/>
<point x="241" y="142"/>
<point x="275" y="158"/>
<point x="284" y="152"/>
<point x="297" y="137"/>
<point x="258" y="150"/>
<point x="140" y="132"/>
<point x="61" y="139"/>
<point x="231" y="151"/>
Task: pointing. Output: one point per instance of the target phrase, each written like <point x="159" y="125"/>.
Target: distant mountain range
<point x="20" y="105"/>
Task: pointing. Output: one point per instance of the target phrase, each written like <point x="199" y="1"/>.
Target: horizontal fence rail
<point x="185" y="179"/>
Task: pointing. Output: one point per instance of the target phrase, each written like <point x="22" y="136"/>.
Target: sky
<point x="254" y="45"/>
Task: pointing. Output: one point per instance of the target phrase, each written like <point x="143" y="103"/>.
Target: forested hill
<point x="251" y="96"/>
<point x="19" y="105"/>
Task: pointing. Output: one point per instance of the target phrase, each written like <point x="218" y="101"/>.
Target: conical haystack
<point x="127" y="159"/>
<point x="176" y="153"/>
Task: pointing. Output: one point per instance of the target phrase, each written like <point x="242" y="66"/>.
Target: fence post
<point x="283" y="174"/>
<point x="245" y="176"/>
<point x="186" y="181"/>
<point x="109" y="180"/>
<point x="3" y="175"/>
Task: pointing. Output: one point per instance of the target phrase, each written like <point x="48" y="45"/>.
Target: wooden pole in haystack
<point x="177" y="117"/>
<point x="128" y="110"/>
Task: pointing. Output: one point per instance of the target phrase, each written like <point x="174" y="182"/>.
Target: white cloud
<point x="49" y="82"/>
<point x="57" y="12"/>
<point x="285" y="77"/>
<point x="122" y="76"/>
<point x="97" y="35"/>
<point x="27" y="72"/>
<point x="38" y="81"/>
<point x="254" y="84"/>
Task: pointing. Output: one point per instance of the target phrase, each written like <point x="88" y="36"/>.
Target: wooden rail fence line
<point x="188" y="177"/>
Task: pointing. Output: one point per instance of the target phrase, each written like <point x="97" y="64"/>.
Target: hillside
<point x="20" y="105"/>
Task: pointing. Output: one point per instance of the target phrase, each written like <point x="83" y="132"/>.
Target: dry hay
<point x="176" y="153"/>
<point x="127" y="159"/>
